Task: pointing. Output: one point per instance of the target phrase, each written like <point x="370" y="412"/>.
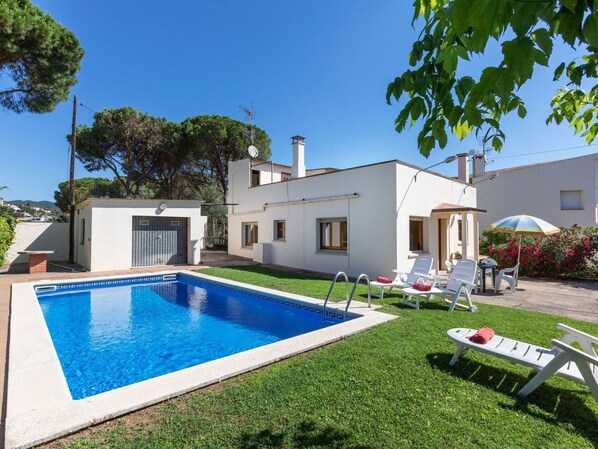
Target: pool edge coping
<point x="44" y="409"/>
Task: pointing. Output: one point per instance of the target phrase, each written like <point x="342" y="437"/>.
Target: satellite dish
<point x="252" y="150"/>
<point x="471" y="152"/>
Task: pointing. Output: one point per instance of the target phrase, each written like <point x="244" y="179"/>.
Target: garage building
<point x="116" y="234"/>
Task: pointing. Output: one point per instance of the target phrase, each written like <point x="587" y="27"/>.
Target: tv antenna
<point x="250" y="134"/>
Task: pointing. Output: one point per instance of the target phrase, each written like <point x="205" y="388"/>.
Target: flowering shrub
<point x="572" y="253"/>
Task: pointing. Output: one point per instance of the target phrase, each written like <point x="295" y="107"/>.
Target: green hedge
<point x="7" y="235"/>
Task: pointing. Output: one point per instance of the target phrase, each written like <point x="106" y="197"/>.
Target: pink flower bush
<point x="569" y="254"/>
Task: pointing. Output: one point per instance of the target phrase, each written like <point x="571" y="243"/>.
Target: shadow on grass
<point x="432" y="305"/>
<point x="280" y="274"/>
<point x="306" y="434"/>
<point x="556" y="405"/>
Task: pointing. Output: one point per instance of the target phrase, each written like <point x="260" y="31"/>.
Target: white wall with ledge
<point x="40" y="237"/>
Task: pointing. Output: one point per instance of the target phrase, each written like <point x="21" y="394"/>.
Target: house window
<point x="255" y="178"/>
<point x="333" y="234"/>
<point x="460" y="229"/>
<point x="249" y="234"/>
<point x="279" y="230"/>
<point x="82" y="232"/>
<point x="416" y="234"/>
<point x="571" y="200"/>
<point x="285" y="176"/>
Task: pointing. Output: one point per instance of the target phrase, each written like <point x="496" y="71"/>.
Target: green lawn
<point x="390" y="387"/>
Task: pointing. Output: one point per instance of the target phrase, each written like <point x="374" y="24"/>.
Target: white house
<point x="114" y="234"/>
<point x="562" y="192"/>
<point x="369" y="219"/>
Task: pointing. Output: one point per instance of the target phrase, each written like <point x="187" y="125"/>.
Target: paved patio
<point x="573" y="299"/>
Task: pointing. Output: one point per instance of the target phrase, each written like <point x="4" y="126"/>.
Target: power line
<point x="547" y="151"/>
<point x="88" y="108"/>
<point x="160" y="149"/>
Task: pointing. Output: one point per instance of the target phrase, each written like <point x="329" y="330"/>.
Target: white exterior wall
<point x="366" y="219"/>
<point x="420" y="197"/>
<point x="109" y="237"/>
<point x="40" y="237"/>
<point x="378" y="231"/>
<point x="536" y="190"/>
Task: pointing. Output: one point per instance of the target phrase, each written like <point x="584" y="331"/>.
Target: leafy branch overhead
<point x="443" y="99"/>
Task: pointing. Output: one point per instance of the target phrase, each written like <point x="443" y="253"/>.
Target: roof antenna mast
<point x="250" y="134"/>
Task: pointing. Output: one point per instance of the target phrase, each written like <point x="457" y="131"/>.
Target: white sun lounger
<point x="561" y="360"/>
<point x="458" y="286"/>
<point x="420" y="272"/>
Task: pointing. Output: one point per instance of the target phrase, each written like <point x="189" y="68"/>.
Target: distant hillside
<point x="48" y="205"/>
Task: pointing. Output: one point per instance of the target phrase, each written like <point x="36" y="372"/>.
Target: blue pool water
<point x="111" y="336"/>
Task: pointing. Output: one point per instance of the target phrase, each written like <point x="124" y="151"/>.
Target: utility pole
<point x="72" y="184"/>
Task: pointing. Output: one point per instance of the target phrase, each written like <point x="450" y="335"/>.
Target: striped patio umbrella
<point x="523" y="225"/>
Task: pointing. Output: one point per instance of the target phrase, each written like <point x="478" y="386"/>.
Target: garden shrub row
<point x="7" y="235"/>
<point x="570" y="254"/>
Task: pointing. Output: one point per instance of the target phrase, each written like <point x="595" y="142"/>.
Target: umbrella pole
<point x="518" y="257"/>
<point x="519" y="252"/>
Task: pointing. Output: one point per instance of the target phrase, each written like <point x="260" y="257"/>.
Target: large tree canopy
<point x="526" y="30"/>
<point x="127" y="142"/>
<point x="218" y="139"/>
<point x="86" y="188"/>
<point x="151" y="156"/>
<point x="38" y="58"/>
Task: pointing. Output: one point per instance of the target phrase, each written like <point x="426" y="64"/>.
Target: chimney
<point x="298" y="168"/>
<point x="479" y="165"/>
<point x="463" y="167"/>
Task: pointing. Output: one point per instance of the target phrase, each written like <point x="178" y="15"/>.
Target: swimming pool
<point x="111" y="335"/>
<point x="40" y="392"/>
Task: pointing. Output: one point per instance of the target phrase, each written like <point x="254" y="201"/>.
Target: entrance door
<point x="442" y="243"/>
<point x="159" y="241"/>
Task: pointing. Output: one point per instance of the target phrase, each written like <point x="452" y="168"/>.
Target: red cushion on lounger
<point x="482" y="336"/>
<point x="422" y="287"/>
<point x="383" y="280"/>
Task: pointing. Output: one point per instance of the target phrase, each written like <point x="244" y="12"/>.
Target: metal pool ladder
<point x="348" y="298"/>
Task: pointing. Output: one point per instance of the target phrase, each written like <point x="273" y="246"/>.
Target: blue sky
<point x="319" y="69"/>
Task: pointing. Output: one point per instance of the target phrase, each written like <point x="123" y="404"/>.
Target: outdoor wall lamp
<point x="446" y="161"/>
<point x="489" y="178"/>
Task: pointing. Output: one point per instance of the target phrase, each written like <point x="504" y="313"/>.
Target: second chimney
<point x="463" y="168"/>
<point x="298" y="168"/>
<point x="479" y="165"/>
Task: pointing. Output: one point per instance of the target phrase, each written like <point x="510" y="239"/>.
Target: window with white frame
<point x="332" y="234"/>
<point x="249" y="234"/>
<point x="571" y="200"/>
<point x="416" y="234"/>
<point x="280" y="230"/>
